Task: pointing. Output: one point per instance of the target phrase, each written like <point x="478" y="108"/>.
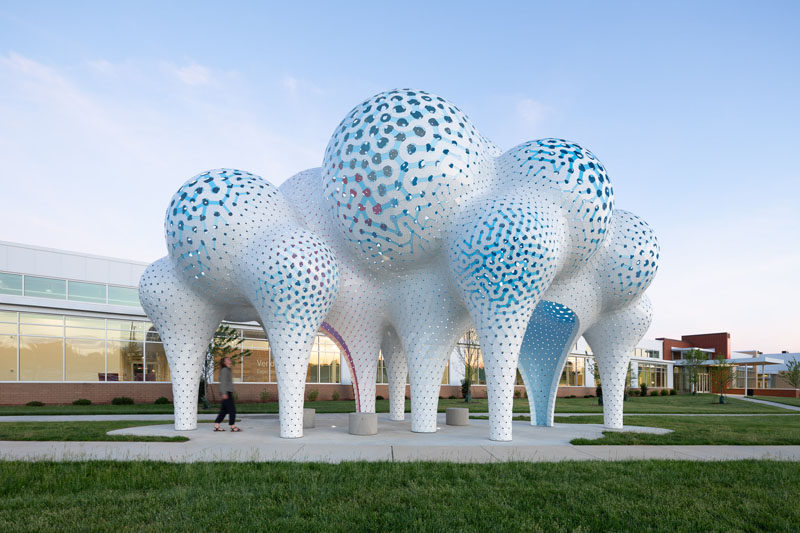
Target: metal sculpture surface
<point x="414" y="229"/>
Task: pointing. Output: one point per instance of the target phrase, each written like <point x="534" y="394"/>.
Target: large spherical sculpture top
<point x="395" y="171"/>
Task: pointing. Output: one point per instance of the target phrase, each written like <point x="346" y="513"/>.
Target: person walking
<point x="226" y="391"/>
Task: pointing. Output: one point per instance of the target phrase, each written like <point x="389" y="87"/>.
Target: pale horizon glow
<point x="105" y="110"/>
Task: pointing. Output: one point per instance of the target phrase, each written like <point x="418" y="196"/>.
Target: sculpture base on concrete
<point x="363" y="423"/>
<point x="309" y="418"/>
<point x="457" y="416"/>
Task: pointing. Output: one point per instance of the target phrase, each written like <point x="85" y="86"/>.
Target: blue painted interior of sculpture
<point x="551" y="332"/>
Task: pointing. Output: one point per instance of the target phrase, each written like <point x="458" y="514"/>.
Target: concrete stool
<point x="309" y="418"/>
<point x="457" y="416"/>
<point x="363" y="423"/>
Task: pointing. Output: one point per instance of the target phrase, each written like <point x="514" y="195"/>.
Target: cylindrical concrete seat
<point x="363" y="423"/>
<point x="309" y="418"/>
<point x="457" y="416"/>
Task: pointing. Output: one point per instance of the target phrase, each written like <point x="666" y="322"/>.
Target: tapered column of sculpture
<point x="397" y="370"/>
<point x="429" y="319"/>
<point x="550" y="334"/>
<point x="362" y="335"/>
<point x="503" y="254"/>
<point x="613" y="339"/>
<point x="186" y="323"/>
<point x="292" y="281"/>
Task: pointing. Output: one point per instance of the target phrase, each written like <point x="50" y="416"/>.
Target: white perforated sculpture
<point x="414" y="229"/>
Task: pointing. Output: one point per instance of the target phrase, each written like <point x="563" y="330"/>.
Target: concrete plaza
<point x="330" y="442"/>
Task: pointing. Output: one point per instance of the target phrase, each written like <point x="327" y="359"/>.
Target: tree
<point x="722" y="375"/>
<point x="792" y="373"/>
<point x="226" y="343"/>
<point x="694" y="359"/>
<point x="470" y="352"/>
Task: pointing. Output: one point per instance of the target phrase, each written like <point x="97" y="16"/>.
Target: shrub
<point x="517" y="393"/>
<point x="161" y="400"/>
<point x="664" y="392"/>
<point x="653" y="393"/>
<point x="313" y="395"/>
<point x="673" y="392"/>
<point x="441" y="397"/>
<point x="451" y="397"/>
<point x="598" y="391"/>
<point x="571" y="396"/>
<point x="633" y="392"/>
<point x="265" y="396"/>
<point x="82" y="401"/>
<point x="34" y="403"/>
<point x="122" y="400"/>
<point x="379" y="397"/>
<point x="335" y="396"/>
<point x="644" y="389"/>
<point x="588" y="396"/>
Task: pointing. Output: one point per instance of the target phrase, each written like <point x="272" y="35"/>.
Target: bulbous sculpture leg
<point x="397" y="371"/>
<point x="613" y="339"/>
<point x="186" y="323"/>
<point x="551" y="332"/>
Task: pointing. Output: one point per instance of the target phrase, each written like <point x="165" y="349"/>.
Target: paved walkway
<point x="330" y="442"/>
<point x="774" y="404"/>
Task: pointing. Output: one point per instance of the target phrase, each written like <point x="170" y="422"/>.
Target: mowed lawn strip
<point x="778" y="399"/>
<point x="728" y="430"/>
<point x="568" y="496"/>
<point x="679" y="404"/>
<point x="77" y="431"/>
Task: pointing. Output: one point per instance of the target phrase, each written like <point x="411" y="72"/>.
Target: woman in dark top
<point x="226" y="390"/>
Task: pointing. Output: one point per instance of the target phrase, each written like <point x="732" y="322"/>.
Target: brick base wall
<point x="100" y="393"/>
<point x="783" y="393"/>
<point x="63" y="393"/>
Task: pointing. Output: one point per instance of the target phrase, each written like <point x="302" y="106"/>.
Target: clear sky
<point x="106" y="108"/>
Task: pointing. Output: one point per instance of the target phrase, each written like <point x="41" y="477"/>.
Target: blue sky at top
<point x="106" y="108"/>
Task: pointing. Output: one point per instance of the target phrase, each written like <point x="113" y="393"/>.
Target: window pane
<point x="54" y="331"/>
<point x="256" y="367"/>
<point x="81" y="322"/>
<point x="45" y="287"/>
<point x="313" y="363"/>
<point x="38" y="318"/>
<point x="8" y="316"/>
<point x="125" y="361"/>
<point x="329" y="366"/>
<point x="129" y="335"/>
<point x="40" y="359"/>
<point x="123" y="296"/>
<point x="10" y="284"/>
<point x="87" y="292"/>
<point x="85" y="360"/>
<point x="8" y="358"/>
<point x="156" y="362"/>
<point x="85" y="333"/>
<point x="10" y="329"/>
<point x="580" y="367"/>
<point x="254" y="334"/>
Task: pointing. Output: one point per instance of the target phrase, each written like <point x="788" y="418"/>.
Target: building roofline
<point x="71" y="252"/>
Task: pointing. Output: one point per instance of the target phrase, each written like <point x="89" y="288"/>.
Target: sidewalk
<point x="331" y="443"/>
<point x="774" y="404"/>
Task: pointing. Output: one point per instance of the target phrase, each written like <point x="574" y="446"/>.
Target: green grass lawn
<point x="778" y="399"/>
<point x="570" y="496"/>
<point x="77" y="431"/>
<point x="743" y="430"/>
<point x="680" y="404"/>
